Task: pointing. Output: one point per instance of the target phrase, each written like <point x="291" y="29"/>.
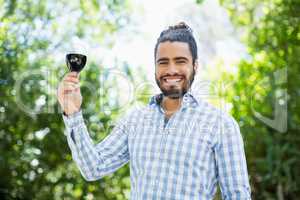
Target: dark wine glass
<point x="75" y="62"/>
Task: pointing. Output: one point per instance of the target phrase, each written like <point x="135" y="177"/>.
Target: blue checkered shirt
<point x="186" y="157"/>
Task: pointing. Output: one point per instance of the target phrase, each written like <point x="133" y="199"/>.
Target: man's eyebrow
<point x="181" y="58"/>
<point x="162" y="59"/>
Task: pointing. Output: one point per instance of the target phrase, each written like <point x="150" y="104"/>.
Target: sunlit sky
<point x="216" y="38"/>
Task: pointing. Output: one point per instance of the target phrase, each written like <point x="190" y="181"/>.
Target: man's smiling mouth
<point x="171" y="79"/>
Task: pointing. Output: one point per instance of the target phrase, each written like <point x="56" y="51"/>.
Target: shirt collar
<point x="188" y="100"/>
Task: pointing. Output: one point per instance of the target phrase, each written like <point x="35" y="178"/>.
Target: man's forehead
<point x="173" y="49"/>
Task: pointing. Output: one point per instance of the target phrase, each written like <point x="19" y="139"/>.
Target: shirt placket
<point x="165" y="130"/>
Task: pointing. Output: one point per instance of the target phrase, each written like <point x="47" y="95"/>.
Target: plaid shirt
<point x="198" y="148"/>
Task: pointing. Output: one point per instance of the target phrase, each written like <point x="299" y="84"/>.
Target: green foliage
<point x="35" y="160"/>
<point x="199" y="1"/>
<point x="265" y="81"/>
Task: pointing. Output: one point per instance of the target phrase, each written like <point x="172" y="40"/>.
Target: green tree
<point x="35" y="161"/>
<point x="266" y="86"/>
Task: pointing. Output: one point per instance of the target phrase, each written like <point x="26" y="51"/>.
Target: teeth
<point x="173" y="80"/>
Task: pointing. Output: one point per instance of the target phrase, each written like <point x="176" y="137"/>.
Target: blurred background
<point x="249" y="52"/>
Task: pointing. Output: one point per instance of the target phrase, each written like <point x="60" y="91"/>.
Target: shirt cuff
<point x="74" y="120"/>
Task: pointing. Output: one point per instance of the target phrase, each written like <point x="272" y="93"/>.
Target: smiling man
<point x="179" y="147"/>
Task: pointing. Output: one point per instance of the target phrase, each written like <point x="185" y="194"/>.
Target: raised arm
<point x="96" y="160"/>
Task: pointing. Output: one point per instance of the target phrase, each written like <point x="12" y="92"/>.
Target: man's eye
<point x="163" y="63"/>
<point x="181" y="62"/>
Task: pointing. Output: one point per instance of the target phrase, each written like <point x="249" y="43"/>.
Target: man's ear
<point x="196" y="65"/>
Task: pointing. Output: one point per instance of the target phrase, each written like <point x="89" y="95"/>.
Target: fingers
<point x="72" y="77"/>
<point x="70" y="87"/>
<point x="69" y="84"/>
<point x="73" y="74"/>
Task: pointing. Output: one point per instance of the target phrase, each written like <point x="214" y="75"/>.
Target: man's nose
<point x="172" y="69"/>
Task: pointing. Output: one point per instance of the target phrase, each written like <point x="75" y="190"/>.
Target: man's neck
<point x="170" y="106"/>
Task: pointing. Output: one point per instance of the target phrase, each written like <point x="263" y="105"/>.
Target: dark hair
<point x="180" y="32"/>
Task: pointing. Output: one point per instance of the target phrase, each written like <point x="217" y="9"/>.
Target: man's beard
<point x="176" y="93"/>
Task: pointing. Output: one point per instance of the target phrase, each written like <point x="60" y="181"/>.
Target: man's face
<point x="174" y="70"/>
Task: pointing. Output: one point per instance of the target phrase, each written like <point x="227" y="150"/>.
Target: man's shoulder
<point x="216" y="119"/>
<point x="212" y="112"/>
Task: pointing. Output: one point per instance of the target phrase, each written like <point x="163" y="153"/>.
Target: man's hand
<point x="68" y="94"/>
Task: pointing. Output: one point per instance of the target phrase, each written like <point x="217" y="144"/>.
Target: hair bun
<point x="181" y="25"/>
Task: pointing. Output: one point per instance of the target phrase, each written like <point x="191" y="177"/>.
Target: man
<point x="179" y="147"/>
